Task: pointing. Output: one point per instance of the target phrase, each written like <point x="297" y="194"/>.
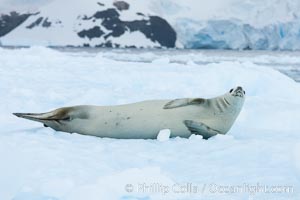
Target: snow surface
<point x="38" y="163"/>
<point x="164" y="135"/>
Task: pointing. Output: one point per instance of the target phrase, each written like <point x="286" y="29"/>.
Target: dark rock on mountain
<point x="10" y="21"/>
<point x="157" y="29"/>
<point x="35" y="23"/>
<point x="44" y="22"/>
<point x="91" y="33"/>
<point x="141" y="14"/>
<point x="121" y="5"/>
<point x="108" y="14"/>
<point x="153" y="27"/>
<point x="100" y="4"/>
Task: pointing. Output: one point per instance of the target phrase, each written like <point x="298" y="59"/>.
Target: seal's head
<point x="236" y="97"/>
<point x="237" y="92"/>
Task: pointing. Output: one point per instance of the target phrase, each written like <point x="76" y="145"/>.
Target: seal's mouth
<point x="238" y="92"/>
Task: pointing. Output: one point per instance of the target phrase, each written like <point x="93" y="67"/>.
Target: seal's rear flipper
<point x="183" y="102"/>
<point x="199" y="128"/>
<point x="55" y="115"/>
<point x="39" y="117"/>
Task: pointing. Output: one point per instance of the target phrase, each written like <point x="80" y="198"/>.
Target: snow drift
<point x="262" y="148"/>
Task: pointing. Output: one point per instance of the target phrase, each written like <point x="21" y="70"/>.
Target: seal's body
<point x="144" y="120"/>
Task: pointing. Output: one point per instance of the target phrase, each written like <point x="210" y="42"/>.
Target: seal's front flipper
<point x="199" y="128"/>
<point x="183" y="102"/>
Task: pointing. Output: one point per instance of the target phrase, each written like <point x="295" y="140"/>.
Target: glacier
<point x="234" y="34"/>
<point x="37" y="163"/>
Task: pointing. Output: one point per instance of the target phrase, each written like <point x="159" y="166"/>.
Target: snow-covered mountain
<point x="217" y="24"/>
<point x="10" y="21"/>
<point x="92" y="23"/>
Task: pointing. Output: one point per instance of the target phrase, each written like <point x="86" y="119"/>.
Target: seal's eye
<point x="231" y="90"/>
<point x="244" y="92"/>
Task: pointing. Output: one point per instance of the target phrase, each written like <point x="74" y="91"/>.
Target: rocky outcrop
<point x="10" y="21"/>
<point x="121" y="5"/>
<point x="154" y="28"/>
